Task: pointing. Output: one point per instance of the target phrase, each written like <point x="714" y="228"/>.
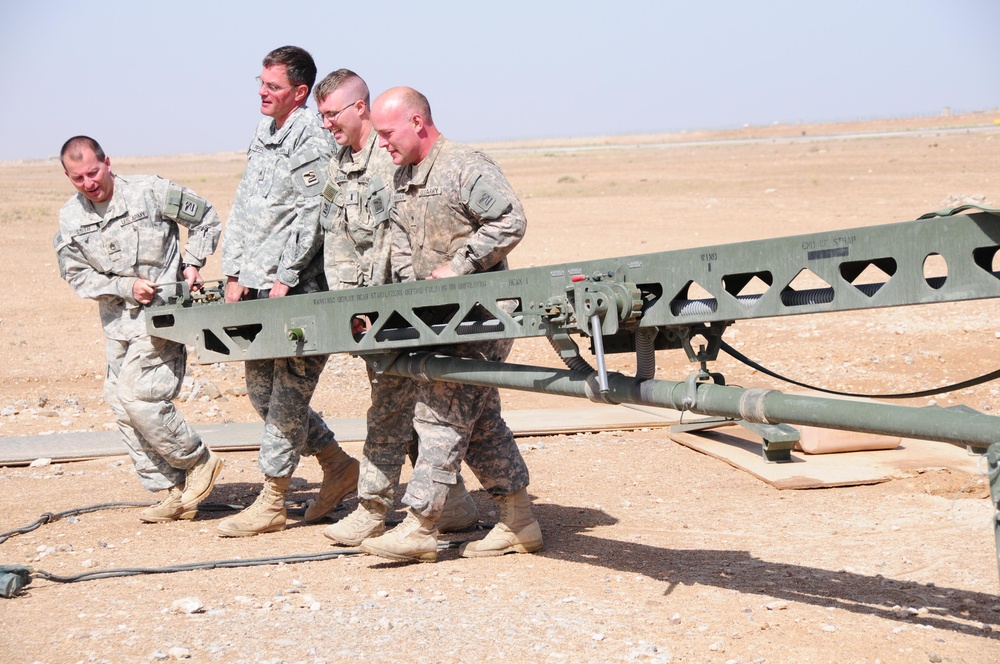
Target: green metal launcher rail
<point x="637" y="304"/>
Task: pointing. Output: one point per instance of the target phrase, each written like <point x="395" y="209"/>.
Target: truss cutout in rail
<point x="935" y="270"/>
<point x="479" y="320"/>
<point x="242" y="335"/>
<point x="651" y="294"/>
<point x="396" y="328"/>
<point x="807" y="288"/>
<point x="213" y="343"/>
<point x="437" y="317"/>
<point x="693" y="300"/>
<point x="988" y="258"/>
<point x="362" y="322"/>
<point x="870" y="275"/>
<point x="748" y="287"/>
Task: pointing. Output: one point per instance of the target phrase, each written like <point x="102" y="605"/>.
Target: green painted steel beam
<point x="917" y="262"/>
<point x="758" y="405"/>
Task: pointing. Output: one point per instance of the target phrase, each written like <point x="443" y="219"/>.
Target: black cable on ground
<point x="49" y="517"/>
<point x="972" y="382"/>
<point x="187" y="567"/>
<point x="212" y="564"/>
<point x="13" y="578"/>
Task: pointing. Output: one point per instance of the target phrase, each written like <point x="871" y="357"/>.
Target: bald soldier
<point x="356" y="233"/>
<point x="453" y="213"/>
<point x="118" y="243"/>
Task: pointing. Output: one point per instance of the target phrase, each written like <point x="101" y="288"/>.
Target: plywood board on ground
<point x="74" y="446"/>
<point x="741" y="449"/>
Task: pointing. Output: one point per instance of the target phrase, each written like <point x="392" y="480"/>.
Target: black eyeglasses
<point x="333" y="115"/>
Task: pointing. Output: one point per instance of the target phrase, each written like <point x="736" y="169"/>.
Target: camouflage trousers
<point x="143" y="377"/>
<point x="280" y="391"/>
<point x="390" y="438"/>
<point x="462" y="422"/>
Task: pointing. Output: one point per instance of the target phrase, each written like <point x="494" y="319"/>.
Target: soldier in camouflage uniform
<point x="118" y="243"/>
<point x="355" y="221"/>
<point x="453" y="213"/>
<point x="272" y="248"/>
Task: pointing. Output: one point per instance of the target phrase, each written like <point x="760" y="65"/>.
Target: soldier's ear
<point x="301" y="93"/>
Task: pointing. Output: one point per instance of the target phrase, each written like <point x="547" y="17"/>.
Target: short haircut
<point x="332" y="81"/>
<point x="301" y="69"/>
<point x="73" y="149"/>
<point x="416" y="102"/>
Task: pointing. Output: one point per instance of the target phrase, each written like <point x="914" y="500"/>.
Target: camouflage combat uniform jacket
<point x="273" y="232"/>
<point x="454" y="207"/>
<point x="102" y="257"/>
<point x="355" y="216"/>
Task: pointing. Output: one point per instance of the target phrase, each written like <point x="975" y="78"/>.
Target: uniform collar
<point x="418" y="173"/>
<point x="116" y="206"/>
<point x="276" y="136"/>
<point x="350" y="164"/>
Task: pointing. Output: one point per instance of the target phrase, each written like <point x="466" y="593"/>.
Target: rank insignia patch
<point x="486" y="200"/>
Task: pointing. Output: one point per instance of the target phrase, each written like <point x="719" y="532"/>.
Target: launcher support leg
<point x="779" y="439"/>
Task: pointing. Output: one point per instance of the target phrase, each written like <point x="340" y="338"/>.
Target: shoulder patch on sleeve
<point x="184" y="205"/>
<point x="299" y="160"/>
<point x="483" y="199"/>
<point x="308" y="172"/>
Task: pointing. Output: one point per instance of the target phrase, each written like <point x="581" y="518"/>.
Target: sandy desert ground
<point x="653" y="552"/>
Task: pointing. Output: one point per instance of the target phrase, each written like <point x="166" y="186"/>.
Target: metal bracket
<point x="778" y="439"/>
<point x="379" y="362"/>
<point x="690" y="401"/>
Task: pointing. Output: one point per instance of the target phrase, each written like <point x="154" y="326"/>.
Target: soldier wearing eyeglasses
<point x="355" y="220"/>
<point x="272" y="248"/>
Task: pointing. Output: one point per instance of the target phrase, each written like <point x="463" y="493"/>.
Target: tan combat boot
<point x="368" y="520"/>
<point x="200" y="479"/>
<point x="414" y="539"/>
<point x="169" y="509"/>
<point x="517" y="531"/>
<point x="266" y="515"/>
<point x="340" y="477"/>
<point x="460" y="511"/>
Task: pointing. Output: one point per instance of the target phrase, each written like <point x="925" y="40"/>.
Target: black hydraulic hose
<point x="985" y="378"/>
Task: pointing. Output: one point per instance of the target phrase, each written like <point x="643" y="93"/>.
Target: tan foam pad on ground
<point x="741" y="449"/>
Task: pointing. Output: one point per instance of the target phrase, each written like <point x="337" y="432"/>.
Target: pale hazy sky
<point x="176" y="76"/>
